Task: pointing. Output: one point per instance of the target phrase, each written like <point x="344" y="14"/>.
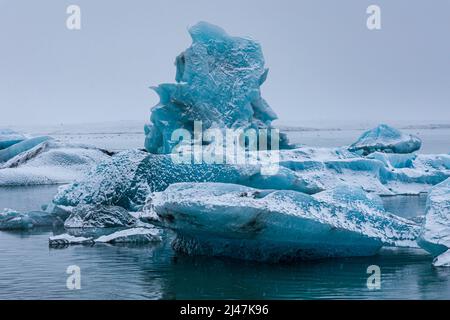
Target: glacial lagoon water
<point x="29" y="269"/>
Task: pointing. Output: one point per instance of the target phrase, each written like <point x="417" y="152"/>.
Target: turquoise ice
<point x="9" y="137"/>
<point x="126" y="179"/>
<point x="218" y="83"/>
<point x="240" y="222"/>
<point x="18" y="148"/>
<point x="14" y="220"/>
<point x="386" y="139"/>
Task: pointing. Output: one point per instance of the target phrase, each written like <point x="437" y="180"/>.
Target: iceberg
<point x="9" y="137"/>
<point x="64" y="240"/>
<point x="13" y="220"/>
<point x="107" y="183"/>
<point x="386" y="139"/>
<point x="241" y="222"/>
<point x="442" y="260"/>
<point x="218" y="84"/>
<point x="46" y="161"/>
<point x="129" y="236"/>
<point x="435" y="232"/>
<point x="99" y="216"/>
<point x="134" y="235"/>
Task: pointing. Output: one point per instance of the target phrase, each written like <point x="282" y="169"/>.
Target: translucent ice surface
<point x="218" y="83"/>
<point x="236" y="221"/>
<point x="127" y="178"/>
<point x="386" y="139"/>
<point x="9" y="137"/>
<point x="13" y="220"/>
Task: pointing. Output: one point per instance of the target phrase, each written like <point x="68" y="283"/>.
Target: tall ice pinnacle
<point x="218" y="83"/>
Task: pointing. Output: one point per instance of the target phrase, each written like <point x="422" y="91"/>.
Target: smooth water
<point x="29" y="269"/>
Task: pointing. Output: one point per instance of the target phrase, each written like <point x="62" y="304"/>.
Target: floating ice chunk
<point x="13" y="220"/>
<point x="9" y="137"/>
<point x="99" y="216"/>
<point x="67" y="239"/>
<point x="134" y="235"/>
<point x="386" y="139"/>
<point x="18" y="148"/>
<point x="241" y="222"/>
<point x="50" y="162"/>
<point x="442" y="260"/>
<point x="435" y="233"/>
<point x="108" y="183"/>
<point x="129" y="236"/>
<point x="62" y="212"/>
<point x="218" y="83"/>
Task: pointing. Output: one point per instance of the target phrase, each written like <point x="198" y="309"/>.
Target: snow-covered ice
<point x="442" y="260"/>
<point x="67" y="239"/>
<point x="128" y="177"/>
<point x="99" y="216"/>
<point x="129" y="236"/>
<point x="134" y="235"/>
<point x="382" y="173"/>
<point x="49" y="162"/>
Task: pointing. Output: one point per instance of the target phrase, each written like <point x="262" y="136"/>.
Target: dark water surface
<point x="29" y="269"/>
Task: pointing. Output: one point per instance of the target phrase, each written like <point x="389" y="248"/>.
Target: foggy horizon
<point x="334" y="71"/>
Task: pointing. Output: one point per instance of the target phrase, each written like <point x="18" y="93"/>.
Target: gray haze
<point x="325" y="65"/>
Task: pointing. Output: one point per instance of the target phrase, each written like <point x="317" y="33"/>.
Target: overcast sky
<point x="325" y="65"/>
